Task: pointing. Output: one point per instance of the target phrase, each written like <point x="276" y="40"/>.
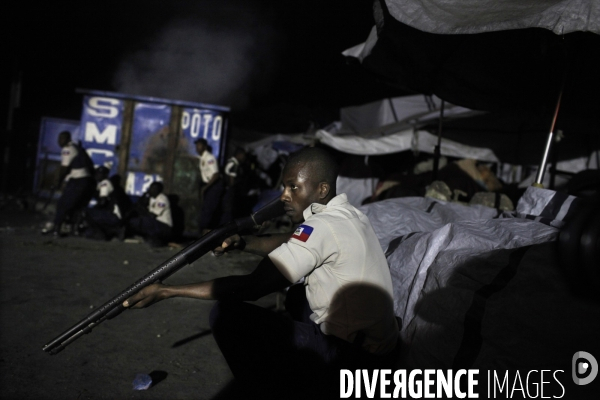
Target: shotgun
<point x="191" y="253"/>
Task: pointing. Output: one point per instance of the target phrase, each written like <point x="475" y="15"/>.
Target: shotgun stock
<point x="191" y="253"/>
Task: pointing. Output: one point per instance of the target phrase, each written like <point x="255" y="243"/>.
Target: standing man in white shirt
<point x="342" y="310"/>
<point x="211" y="189"/>
<point x="76" y="169"/>
<point x="156" y="224"/>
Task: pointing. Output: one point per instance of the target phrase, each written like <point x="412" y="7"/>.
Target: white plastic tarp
<point x="401" y="141"/>
<point x="395" y="113"/>
<point x="477" y="291"/>
<point x="477" y="16"/>
<point x="264" y="151"/>
<point x="356" y="189"/>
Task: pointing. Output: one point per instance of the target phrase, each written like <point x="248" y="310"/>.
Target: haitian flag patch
<point x="303" y="233"/>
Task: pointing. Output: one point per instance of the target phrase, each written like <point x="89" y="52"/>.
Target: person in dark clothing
<point x="233" y="197"/>
<point x="121" y="198"/>
<point x="178" y="216"/>
<point x="105" y="218"/>
<point x="211" y="189"/>
<point x="155" y="222"/>
<point x="76" y="170"/>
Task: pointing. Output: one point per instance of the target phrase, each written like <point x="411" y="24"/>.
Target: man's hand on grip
<point x="235" y="242"/>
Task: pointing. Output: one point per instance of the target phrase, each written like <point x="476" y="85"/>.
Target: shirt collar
<point x="316" y="208"/>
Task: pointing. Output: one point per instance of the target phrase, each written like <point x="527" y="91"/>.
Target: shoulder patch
<point x="302" y="233"/>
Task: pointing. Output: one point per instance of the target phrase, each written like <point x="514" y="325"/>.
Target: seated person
<point x="105" y="218"/>
<point x="155" y="222"/>
<point x="119" y="195"/>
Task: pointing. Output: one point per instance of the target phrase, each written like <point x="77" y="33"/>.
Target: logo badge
<point x="303" y="233"/>
<point x="584" y="364"/>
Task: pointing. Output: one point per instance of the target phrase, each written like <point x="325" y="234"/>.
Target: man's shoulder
<point x="69" y="149"/>
<point x="207" y="156"/>
<point x="339" y="210"/>
<point x="163" y="198"/>
<point x="318" y="225"/>
<point x="105" y="183"/>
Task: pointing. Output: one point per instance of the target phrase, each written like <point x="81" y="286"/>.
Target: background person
<point x="105" y="218"/>
<point x="76" y="169"/>
<point x="234" y="199"/>
<point x="211" y="189"/>
<point x="155" y="222"/>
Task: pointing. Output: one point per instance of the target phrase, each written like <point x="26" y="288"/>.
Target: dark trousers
<point x="227" y="205"/>
<point x="156" y="232"/>
<point x="210" y="205"/>
<point x="77" y="195"/>
<point x="273" y="354"/>
<point x="103" y="224"/>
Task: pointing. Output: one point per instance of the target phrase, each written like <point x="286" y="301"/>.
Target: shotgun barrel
<point x="191" y="253"/>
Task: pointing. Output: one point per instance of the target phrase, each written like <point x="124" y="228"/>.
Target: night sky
<point x="276" y="63"/>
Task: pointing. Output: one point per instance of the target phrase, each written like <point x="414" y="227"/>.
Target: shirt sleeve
<point x="159" y="205"/>
<point x="311" y="245"/>
<point x="211" y="166"/>
<point x="230" y="169"/>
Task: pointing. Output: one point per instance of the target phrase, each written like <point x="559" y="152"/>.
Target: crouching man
<point x="154" y="221"/>
<point x="340" y="305"/>
<point x="105" y="218"/>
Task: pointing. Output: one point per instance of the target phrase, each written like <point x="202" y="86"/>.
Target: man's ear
<point x="324" y="189"/>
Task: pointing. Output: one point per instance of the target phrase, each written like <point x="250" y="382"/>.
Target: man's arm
<point x="62" y="173"/>
<point x="259" y="245"/>
<point x="265" y="279"/>
<point x="208" y="184"/>
<point x="212" y="180"/>
<point x="229" y="173"/>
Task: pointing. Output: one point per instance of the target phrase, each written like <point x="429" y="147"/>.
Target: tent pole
<point x="553" y="170"/>
<point x="542" y="169"/>
<point x="437" y="149"/>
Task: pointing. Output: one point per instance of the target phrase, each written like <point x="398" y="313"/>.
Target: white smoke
<point x="218" y="61"/>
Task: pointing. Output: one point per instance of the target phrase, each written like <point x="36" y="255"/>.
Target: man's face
<point x="100" y="176"/>
<point x="200" y="147"/>
<point x="299" y="191"/>
<point x="153" y="191"/>
<point x="63" y="140"/>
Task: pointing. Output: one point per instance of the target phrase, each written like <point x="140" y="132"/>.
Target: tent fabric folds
<point x="515" y="71"/>
<point x="401" y="141"/>
<point x="477" y="16"/>
<point x="476" y="289"/>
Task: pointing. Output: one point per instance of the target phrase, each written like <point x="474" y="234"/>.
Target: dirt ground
<point x="47" y="285"/>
